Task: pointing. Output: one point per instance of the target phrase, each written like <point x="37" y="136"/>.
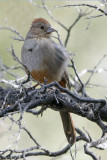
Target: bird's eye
<point x="42" y="27"/>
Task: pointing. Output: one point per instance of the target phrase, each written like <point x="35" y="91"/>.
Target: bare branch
<point x="87" y="5"/>
<point x="94" y="69"/>
<point x="14" y="31"/>
<point x="51" y="16"/>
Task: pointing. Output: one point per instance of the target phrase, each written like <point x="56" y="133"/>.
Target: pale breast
<point x="44" y="56"/>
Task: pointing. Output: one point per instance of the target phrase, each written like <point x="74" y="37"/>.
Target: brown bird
<point x="44" y="58"/>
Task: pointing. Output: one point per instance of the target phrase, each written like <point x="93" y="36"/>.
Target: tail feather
<point x="68" y="127"/>
<point x="66" y="117"/>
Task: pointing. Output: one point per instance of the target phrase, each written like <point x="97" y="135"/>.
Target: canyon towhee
<point x="44" y="58"/>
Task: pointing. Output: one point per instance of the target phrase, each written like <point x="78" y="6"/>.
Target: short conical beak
<point x="50" y="30"/>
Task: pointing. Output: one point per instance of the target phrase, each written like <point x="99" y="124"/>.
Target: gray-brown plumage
<point x="44" y="58"/>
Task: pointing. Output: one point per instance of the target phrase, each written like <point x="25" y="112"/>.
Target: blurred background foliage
<point x="88" y="45"/>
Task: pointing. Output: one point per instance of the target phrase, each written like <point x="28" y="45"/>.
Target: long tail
<point x="68" y="126"/>
<point x="66" y="117"/>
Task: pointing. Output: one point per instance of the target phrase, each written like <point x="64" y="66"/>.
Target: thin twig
<point x="87" y="5"/>
<point x="94" y="69"/>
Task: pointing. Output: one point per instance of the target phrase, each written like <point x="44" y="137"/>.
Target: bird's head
<point x="41" y="28"/>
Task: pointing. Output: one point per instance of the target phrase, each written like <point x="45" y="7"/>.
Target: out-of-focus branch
<point x="94" y="69"/>
<point x="51" y="16"/>
<point x="9" y="28"/>
<point x="80" y="15"/>
<point x="87" y="5"/>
